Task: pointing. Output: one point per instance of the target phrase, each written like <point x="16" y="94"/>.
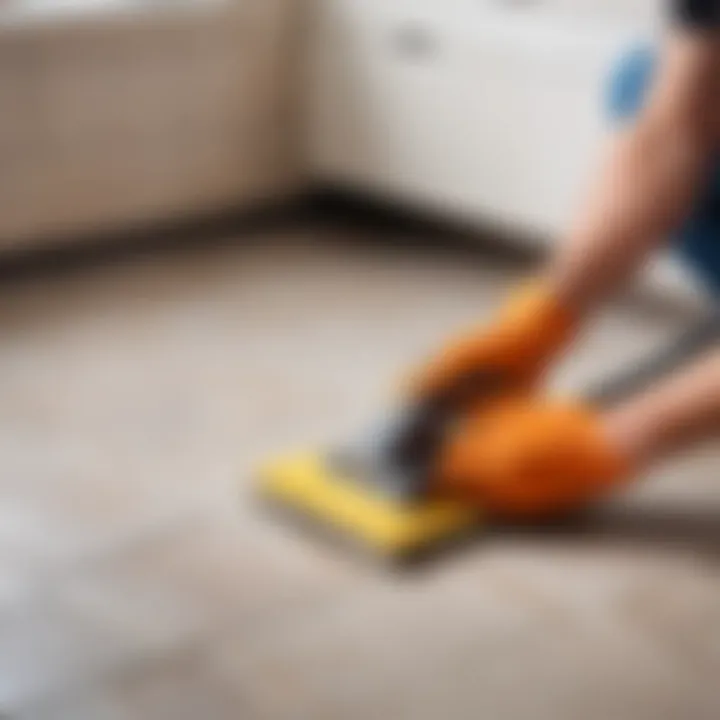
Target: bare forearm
<point x="649" y="180"/>
<point x="670" y="417"/>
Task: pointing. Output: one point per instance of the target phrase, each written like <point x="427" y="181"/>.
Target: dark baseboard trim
<point x="35" y="256"/>
<point x="364" y="213"/>
<point x="421" y="226"/>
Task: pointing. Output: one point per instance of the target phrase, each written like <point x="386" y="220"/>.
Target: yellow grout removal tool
<point x="376" y="491"/>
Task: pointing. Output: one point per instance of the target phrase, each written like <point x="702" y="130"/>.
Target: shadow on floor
<point x="690" y="528"/>
<point x="693" y="530"/>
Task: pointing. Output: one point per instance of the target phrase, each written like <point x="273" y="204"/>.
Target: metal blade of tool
<point x="398" y="454"/>
<point x="702" y="336"/>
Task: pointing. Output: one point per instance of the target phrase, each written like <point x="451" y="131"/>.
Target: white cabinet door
<point x="540" y="105"/>
<point x="483" y="113"/>
<point x="386" y="105"/>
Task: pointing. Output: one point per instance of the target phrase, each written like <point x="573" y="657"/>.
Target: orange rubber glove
<point x="527" y="458"/>
<point x="511" y="352"/>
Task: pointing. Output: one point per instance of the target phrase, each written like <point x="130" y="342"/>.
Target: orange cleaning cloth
<point x="528" y="458"/>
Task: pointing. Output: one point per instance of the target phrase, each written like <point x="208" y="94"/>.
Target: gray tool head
<point x="397" y="455"/>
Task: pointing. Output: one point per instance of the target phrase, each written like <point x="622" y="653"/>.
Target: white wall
<point x="629" y="12"/>
<point x="127" y="114"/>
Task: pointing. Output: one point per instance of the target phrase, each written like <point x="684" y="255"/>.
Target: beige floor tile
<point x="17" y="576"/>
<point x="45" y="647"/>
<point x="214" y="571"/>
<point x="58" y="516"/>
<point x="142" y="582"/>
<point x="78" y="706"/>
<point x="175" y="687"/>
<point x="460" y="650"/>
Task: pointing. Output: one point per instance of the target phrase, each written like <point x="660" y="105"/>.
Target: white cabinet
<point x="463" y="106"/>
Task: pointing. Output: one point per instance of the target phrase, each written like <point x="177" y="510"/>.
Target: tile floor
<point x="138" y="580"/>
